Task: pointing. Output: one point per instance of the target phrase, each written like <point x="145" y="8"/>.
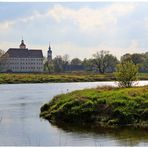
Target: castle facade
<point x="22" y="60"/>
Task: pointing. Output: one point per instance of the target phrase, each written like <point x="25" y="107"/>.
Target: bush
<point x="126" y="73"/>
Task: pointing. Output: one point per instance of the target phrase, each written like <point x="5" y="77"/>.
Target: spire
<point x="49" y="46"/>
<point x="49" y="53"/>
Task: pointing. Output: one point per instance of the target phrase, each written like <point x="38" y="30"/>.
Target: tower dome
<point x="22" y="45"/>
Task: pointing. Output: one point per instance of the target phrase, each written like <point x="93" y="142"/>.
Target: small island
<point x="103" y="106"/>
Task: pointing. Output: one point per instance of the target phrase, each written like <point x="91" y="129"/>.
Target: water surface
<point x="20" y="124"/>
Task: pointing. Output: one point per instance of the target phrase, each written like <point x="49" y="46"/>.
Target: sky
<point x="79" y="29"/>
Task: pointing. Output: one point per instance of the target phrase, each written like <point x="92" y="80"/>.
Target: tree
<point x="112" y="62"/>
<point x="88" y="64"/>
<point x="3" y="59"/>
<point x="145" y="63"/>
<point x="60" y="63"/>
<point x="76" y="61"/>
<point x="126" y="57"/>
<point x="65" y="60"/>
<point x="137" y="58"/>
<point x="126" y="73"/>
<point x="49" y="67"/>
<point x="103" y="61"/>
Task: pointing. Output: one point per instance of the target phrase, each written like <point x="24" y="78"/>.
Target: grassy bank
<point x="104" y="106"/>
<point x="65" y="77"/>
<point x="42" y="78"/>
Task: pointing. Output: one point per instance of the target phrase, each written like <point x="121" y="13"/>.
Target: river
<point x="20" y="124"/>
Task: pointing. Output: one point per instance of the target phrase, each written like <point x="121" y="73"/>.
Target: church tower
<point x="49" y="54"/>
<point x="22" y="45"/>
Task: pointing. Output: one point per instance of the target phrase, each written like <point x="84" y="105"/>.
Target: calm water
<point x="20" y="124"/>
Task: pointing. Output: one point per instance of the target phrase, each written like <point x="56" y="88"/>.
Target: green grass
<point x="104" y="106"/>
<point x="64" y="77"/>
<point x="41" y="78"/>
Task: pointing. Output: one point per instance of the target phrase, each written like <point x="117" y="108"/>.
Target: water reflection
<point x="121" y="136"/>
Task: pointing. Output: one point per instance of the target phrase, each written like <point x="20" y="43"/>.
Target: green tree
<point x="103" y="61"/>
<point x="126" y="73"/>
<point x="48" y="67"/>
<point x="60" y="63"/>
<point x="65" y="60"/>
<point x="137" y="58"/>
<point x="126" y="57"/>
<point x="76" y="61"/>
<point x="145" y="63"/>
<point x="88" y="64"/>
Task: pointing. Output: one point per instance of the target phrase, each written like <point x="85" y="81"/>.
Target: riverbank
<point x="102" y="106"/>
<point x="45" y="78"/>
<point x="64" y="77"/>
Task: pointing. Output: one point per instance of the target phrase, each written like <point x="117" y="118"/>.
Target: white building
<point x="22" y="60"/>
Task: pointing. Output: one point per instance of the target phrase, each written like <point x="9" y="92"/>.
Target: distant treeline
<point x="101" y="62"/>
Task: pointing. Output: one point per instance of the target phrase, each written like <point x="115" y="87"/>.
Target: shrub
<point x="126" y="73"/>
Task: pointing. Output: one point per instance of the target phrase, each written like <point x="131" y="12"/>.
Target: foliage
<point x="126" y="57"/>
<point x="49" y="67"/>
<point x="103" y="61"/>
<point x="76" y="61"/>
<point x="88" y="63"/>
<point x="126" y="73"/>
<point x="137" y="59"/>
<point x="101" y="106"/>
<point x="145" y="63"/>
<point x="60" y="63"/>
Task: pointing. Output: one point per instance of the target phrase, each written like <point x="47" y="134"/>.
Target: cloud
<point x="88" y="18"/>
<point x="85" y="18"/>
<point x="6" y="25"/>
<point x="145" y="22"/>
<point x="56" y="25"/>
<point x="34" y="16"/>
